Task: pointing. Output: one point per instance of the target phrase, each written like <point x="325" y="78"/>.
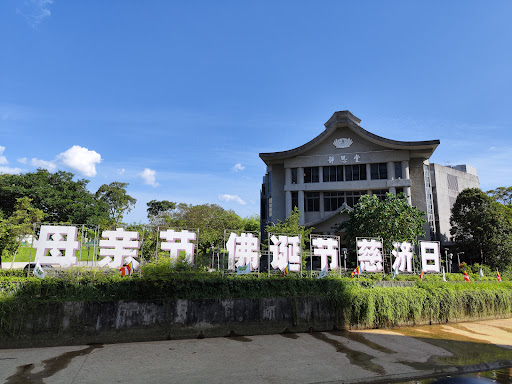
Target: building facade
<point x="343" y="163"/>
<point x="447" y="183"/>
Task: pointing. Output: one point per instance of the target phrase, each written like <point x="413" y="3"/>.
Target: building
<point x="447" y="183"/>
<point x="337" y="167"/>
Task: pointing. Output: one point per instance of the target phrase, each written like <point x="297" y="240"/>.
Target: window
<point x="333" y="173"/>
<point x="352" y="197"/>
<point x="311" y="175"/>
<point x="294" y="175"/>
<point x="333" y="200"/>
<point x="453" y="183"/>
<point x="380" y="193"/>
<point x="379" y="171"/>
<point x="312" y="201"/>
<point x="398" y="170"/>
<point x="295" y="200"/>
<point x="355" y="172"/>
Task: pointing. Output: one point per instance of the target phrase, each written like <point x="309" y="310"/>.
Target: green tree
<point x="502" y="195"/>
<point x="210" y="219"/>
<point x="251" y="223"/>
<point x="291" y="226"/>
<point x="60" y="197"/>
<point x="481" y="229"/>
<point x="115" y="201"/>
<point x="17" y="226"/>
<point x="392" y="219"/>
<point x="159" y="212"/>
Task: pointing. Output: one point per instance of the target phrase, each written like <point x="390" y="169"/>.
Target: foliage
<point x="481" y="229"/>
<point x="393" y="219"/>
<point x="502" y="195"/>
<point x="60" y="197"/>
<point x="251" y="223"/>
<point x="357" y="302"/>
<point x="116" y="201"/>
<point x="18" y="225"/>
<point x="291" y="226"/>
<point x="159" y="211"/>
<point x="210" y="219"/>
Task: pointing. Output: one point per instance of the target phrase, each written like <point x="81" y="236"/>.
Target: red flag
<point x="466" y="277"/>
<point x="498" y="276"/>
<point x="421" y="275"/>
<point x="126" y="270"/>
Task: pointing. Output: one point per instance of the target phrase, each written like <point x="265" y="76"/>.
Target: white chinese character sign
<point x="369" y="254"/>
<point x="429" y="251"/>
<point x="326" y="248"/>
<point x="403" y="257"/>
<point x="286" y="251"/>
<point x="179" y="241"/>
<point x="120" y="247"/>
<point x="243" y="250"/>
<point x="57" y="245"/>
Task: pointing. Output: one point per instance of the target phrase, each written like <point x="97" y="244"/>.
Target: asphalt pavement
<point x="381" y="355"/>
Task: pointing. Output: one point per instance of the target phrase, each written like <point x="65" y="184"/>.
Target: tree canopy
<point x="210" y="219"/>
<point x="392" y="219"/>
<point x="291" y="226"/>
<point x="60" y="197"/>
<point x="159" y="212"/>
<point x="481" y="228"/>
<point x="17" y="225"/>
<point x="116" y="201"/>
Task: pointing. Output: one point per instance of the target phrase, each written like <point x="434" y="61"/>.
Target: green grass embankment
<point x="354" y="302"/>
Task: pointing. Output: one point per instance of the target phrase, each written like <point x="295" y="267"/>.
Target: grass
<point x="23" y="255"/>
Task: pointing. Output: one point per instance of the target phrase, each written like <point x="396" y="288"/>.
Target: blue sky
<point x="178" y="98"/>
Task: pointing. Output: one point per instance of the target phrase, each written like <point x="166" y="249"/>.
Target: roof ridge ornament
<point x="343" y="142"/>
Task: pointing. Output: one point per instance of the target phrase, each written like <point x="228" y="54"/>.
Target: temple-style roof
<point x="345" y="119"/>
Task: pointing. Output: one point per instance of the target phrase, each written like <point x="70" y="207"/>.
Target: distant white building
<point x="447" y="183"/>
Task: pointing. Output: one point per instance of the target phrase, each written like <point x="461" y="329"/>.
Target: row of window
<point x="378" y="171"/>
<point x="334" y="200"/>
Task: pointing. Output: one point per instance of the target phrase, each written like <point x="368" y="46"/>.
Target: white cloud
<point x="81" y="160"/>
<point x="149" y="177"/>
<point x="3" y="159"/>
<point x="235" y="198"/>
<point x="49" y="165"/>
<point x="35" y="11"/>
<point x="238" y="167"/>
<point x="121" y="171"/>
<point x="22" y="160"/>
<point x="10" y="170"/>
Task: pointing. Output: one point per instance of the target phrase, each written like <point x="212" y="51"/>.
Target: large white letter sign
<point x="430" y="252"/>
<point x="185" y="243"/>
<point x="55" y="239"/>
<point x="243" y="249"/>
<point x="403" y="256"/>
<point x="324" y="248"/>
<point x="369" y="255"/>
<point x="286" y="250"/>
<point x="120" y="244"/>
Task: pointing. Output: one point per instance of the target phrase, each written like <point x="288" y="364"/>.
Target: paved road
<point x="324" y="357"/>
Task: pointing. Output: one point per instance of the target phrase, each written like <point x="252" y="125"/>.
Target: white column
<point x="405" y="169"/>
<point x="320" y="174"/>
<point x="368" y="171"/>
<point x="288" y="202"/>
<point x="301" y="205"/>
<point x="392" y="190"/>
<point x="288" y="176"/>
<point x="407" y="191"/>
<point x="321" y="204"/>
<point x="300" y="175"/>
<point x="391" y="170"/>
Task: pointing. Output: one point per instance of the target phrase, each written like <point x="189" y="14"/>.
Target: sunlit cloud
<point x="227" y="198"/>
<point x="81" y="160"/>
<point x="35" y="11"/>
<point x="238" y="167"/>
<point x="3" y="159"/>
<point x="49" y="165"/>
<point x="149" y="177"/>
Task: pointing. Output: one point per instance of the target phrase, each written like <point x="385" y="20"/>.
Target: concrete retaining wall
<point x="113" y="322"/>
